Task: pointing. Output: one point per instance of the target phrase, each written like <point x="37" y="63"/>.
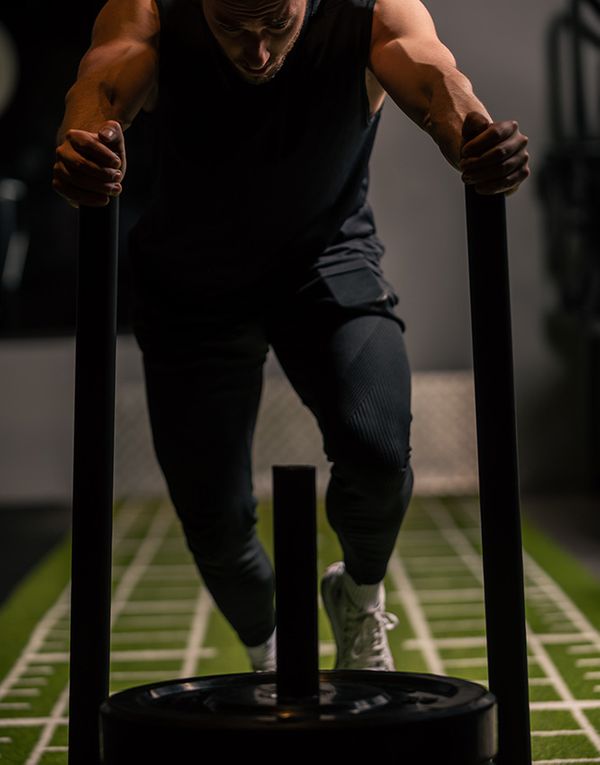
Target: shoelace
<point x="369" y="644"/>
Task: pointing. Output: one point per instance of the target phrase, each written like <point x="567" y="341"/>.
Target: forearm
<point x="87" y="106"/>
<point x="449" y="98"/>
<point x="114" y="92"/>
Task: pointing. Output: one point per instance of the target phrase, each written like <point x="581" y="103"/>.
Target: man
<point x="260" y="235"/>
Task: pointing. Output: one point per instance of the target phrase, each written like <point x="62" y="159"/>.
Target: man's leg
<point x="342" y="348"/>
<point x="203" y="395"/>
<point x="355" y="377"/>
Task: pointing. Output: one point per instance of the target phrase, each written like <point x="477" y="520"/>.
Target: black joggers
<point x="335" y="334"/>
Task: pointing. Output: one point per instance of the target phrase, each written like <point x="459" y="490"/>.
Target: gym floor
<point x="164" y="623"/>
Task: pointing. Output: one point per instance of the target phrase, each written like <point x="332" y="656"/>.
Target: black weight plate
<point x="414" y="718"/>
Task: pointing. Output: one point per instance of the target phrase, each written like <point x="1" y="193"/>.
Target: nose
<point x="256" y="54"/>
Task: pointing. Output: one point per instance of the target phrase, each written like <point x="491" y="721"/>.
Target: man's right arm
<point x="117" y="77"/>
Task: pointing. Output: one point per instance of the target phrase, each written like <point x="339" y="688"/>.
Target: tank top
<point x="279" y="170"/>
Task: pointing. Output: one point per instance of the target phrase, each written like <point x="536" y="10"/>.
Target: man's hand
<point x="494" y="157"/>
<point x="90" y="167"/>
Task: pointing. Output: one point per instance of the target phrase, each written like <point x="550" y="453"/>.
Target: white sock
<point x="363" y="596"/>
<point x="258" y="651"/>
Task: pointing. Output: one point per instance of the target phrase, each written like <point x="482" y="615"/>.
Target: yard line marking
<point x="583" y="649"/>
<point x="562" y="688"/>
<point x="482" y="662"/>
<point x="550" y="617"/>
<point x="560" y="628"/>
<point x="567" y="637"/>
<point x="452" y="533"/>
<point x="36" y="640"/>
<point x="162" y="569"/>
<point x="5" y="740"/>
<point x="591" y="676"/>
<point x="56" y="749"/>
<point x="16" y="705"/>
<point x="423" y="581"/>
<point x="169" y="592"/>
<point x="327" y="648"/>
<point x="144" y="554"/>
<point x="49" y="729"/>
<point x="413" y="644"/>
<point x="458" y="625"/>
<point x="565" y="762"/>
<point x="553" y="733"/>
<point x="448" y="562"/>
<point x="175" y="636"/>
<point x="587" y="663"/>
<point x="467" y="609"/>
<point x="452" y="596"/>
<point x="33" y="681"/>
<point x="174" y="620"/>
<point x="545" y="583"/>
<point x="22" y="692"/>
<point x="29" y="722"/>
<point x="157" y="674"/>
<point x="197" y="633"/>
<point x="56" y="658"/>
<point x="415" y="615"/>
<point x="162" y="576"/>
<point x="161" y="655"/>
<point x="540" y="681"/>
<point x="39" y="669"/>
<point x="157" y="607"/>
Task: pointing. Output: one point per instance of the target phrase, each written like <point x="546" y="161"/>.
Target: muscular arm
<point x="118" y="74"/>
<point x="117" y="77"/>
<point x="421" y="76"/>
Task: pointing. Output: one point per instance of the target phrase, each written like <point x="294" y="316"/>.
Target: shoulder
<point x="401" y="19"/>
<point x="135" y="20"/>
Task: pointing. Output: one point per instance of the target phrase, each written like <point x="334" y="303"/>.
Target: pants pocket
<point x="357" y="286"/>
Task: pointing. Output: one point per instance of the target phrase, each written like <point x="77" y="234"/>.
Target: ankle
<point x="364" y="596"/>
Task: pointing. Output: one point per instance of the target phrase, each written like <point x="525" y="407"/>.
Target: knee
<point x="376" y="444"/>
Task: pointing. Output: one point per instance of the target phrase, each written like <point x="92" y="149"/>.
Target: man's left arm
<point x="420" y="75"/>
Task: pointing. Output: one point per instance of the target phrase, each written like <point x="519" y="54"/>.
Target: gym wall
<point x="418" y="201"/>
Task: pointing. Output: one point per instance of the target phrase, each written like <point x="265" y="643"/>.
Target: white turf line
<point x="565" y="762"/>
<point x="476" y="595"/>
<point x="414" y="612"/>
<point x="544" y="582"/>
<point x="32" y="651"/>
<point x="197" y="633"/>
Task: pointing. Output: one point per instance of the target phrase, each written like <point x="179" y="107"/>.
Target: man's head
<point x="256" y="35"/>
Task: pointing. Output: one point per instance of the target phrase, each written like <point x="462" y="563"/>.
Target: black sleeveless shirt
<point x="279" y="170"/>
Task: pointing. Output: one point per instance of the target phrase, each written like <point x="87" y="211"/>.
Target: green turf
<point x="421" y="546"/>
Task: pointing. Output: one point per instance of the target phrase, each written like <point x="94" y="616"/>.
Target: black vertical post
<point x="92" y="478"/>
<point x="295" y="542"/>
<point x="498" y="474"/>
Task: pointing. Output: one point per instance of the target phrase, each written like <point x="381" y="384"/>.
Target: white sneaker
<point x="263" y="657"/>
<point x="360" y="634"/>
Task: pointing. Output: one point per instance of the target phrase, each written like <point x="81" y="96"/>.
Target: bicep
<point x="406" y="52"/>
<point x="123" y="54"/>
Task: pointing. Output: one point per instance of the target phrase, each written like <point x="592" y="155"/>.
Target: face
<point x="255" y="35"/>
